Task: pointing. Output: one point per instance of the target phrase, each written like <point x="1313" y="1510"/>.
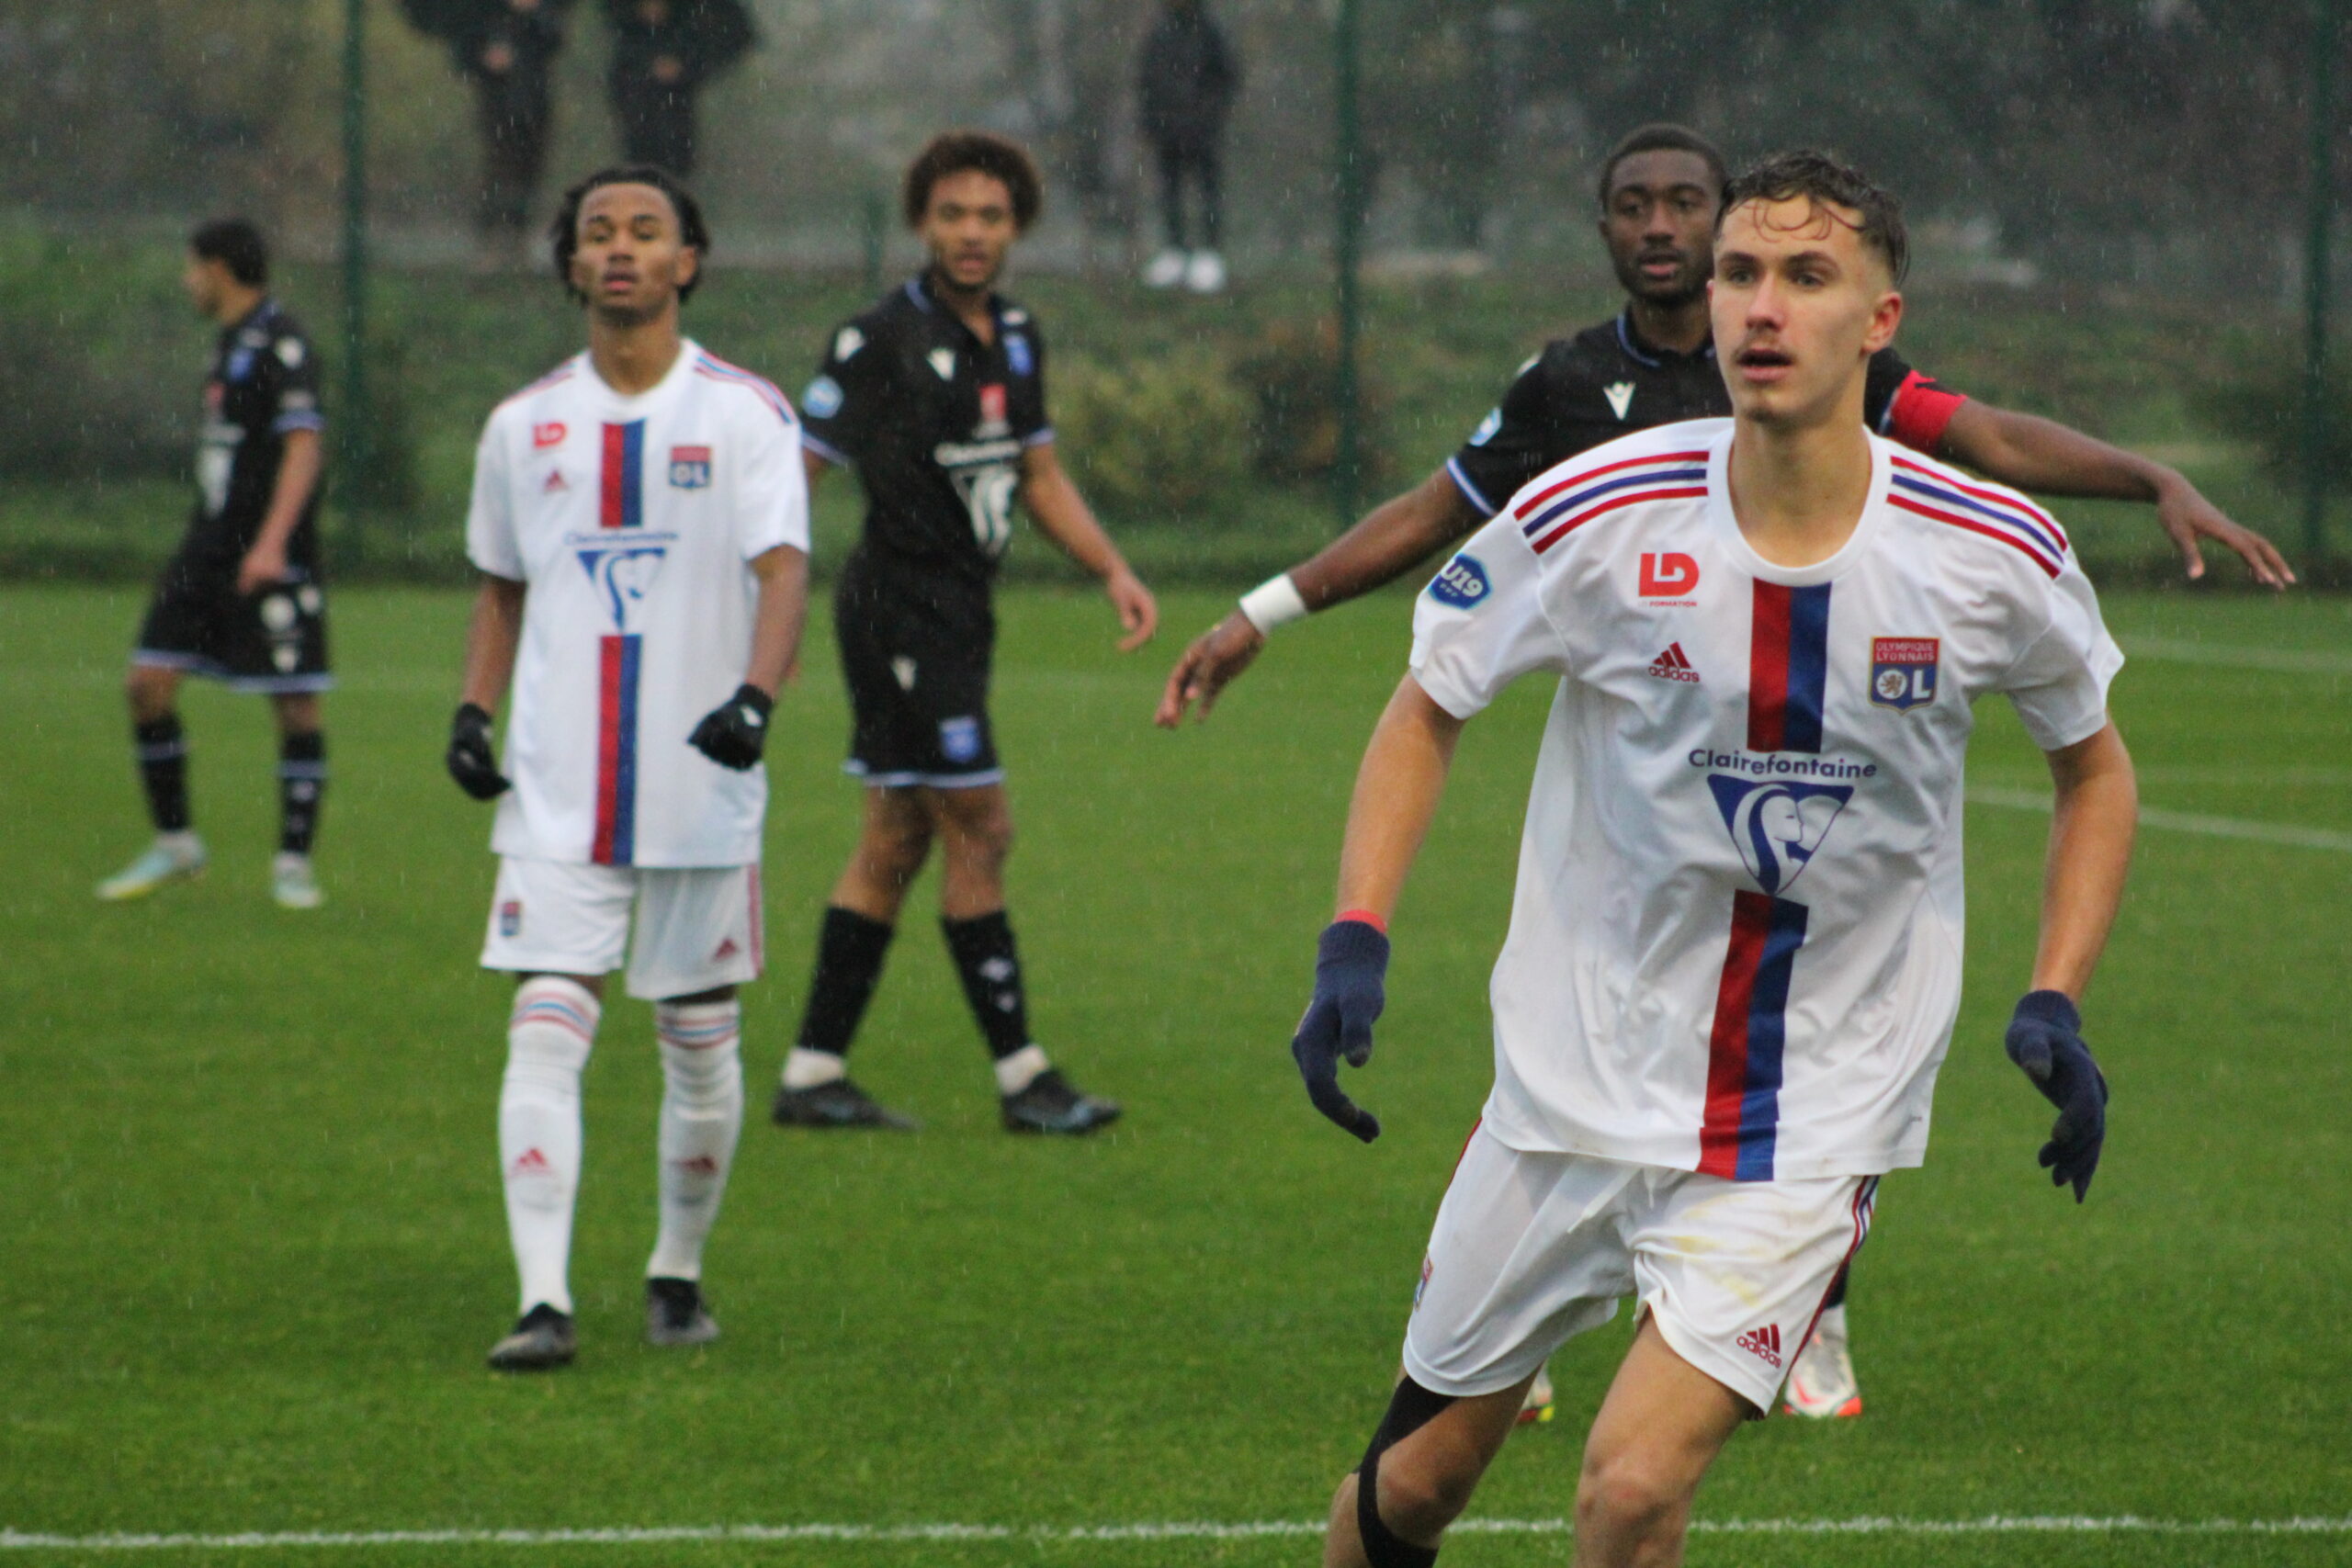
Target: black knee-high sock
<point x="850" y="950"/>
<point x="162" y="751"/>
<point x="987" y="963"/>
<point x="301" y="789"/>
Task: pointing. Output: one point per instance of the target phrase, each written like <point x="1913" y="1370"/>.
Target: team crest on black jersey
<point x="1903" y="671"/>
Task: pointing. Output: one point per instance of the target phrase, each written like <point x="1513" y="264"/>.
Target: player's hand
<point x="2046" y="1040"/>
<point x="1217" y="656"/>
<point x="734" y="733"/>
<point x="1351" y="988"/>
<point x="263" y="566"/>
<point x="498" y="59"/>
<point x="470" y="759"/>
<point x="1138" y="610"/>
<point x="2187" y="516"/>
<point x="669" y="70"/>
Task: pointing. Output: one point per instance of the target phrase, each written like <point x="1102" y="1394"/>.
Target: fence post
<point x="355" y="450"/>
<point x="2317" y="281"/>
<point x="1347" y="250"/>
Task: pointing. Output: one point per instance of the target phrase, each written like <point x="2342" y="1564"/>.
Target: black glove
<point x="734" y="733"/>
<point x="1351" y="969"/>
<point x="471" y="760"/>
<point x="2046" y="1040"/>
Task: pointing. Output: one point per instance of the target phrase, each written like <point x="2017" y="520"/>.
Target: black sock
<point x="850" y="950"/>
<point x="1837" y="1297"/>
<point x="161" y="751"/>
<point x="990" y="967"/>
<point x="301" y="789"/>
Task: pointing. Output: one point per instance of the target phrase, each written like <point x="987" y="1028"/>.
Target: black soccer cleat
<point x="543" y="1339"/>
<point x="840" y="1103"/>
<point x="675" y="1313"/>
<point x="1052" y="1104"/>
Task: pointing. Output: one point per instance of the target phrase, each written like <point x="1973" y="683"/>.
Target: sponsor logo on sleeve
<point x="1017" y="353"/>
<point x="1903" y="671"/>
<point x="1462" y="584"/>
<point x="1486" y="428"/>
<point x="690" y="467"/>
<point x="547" y="434"/>
<point x="1668" y="574"/>
<point x="823" y="398"/>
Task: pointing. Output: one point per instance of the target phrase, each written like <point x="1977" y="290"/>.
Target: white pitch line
<point x="2186" y="821"/>
<point x="1179" y="1529"/>
<point x="2283" y="660"/>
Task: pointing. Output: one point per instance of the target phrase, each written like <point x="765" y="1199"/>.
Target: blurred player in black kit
<point x="936" y="396"/>
<point x="241" y="601"/>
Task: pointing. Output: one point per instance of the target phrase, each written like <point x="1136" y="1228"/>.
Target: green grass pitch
<point x="254" y="1249"/>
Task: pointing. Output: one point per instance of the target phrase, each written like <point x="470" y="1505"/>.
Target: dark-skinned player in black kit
<point x="936" y="397"/>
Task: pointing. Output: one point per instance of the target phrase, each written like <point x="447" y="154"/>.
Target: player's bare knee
<point x="298" y="713"/>
<point x="150" y="689"/>
<point x="1425" y="1487"/>
<point x="1627" y="1492"/>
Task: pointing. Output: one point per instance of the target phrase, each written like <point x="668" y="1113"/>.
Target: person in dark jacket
<point x="508" y="48"/>
<point x="663" y="51"/>
<point x="1186" y="81"/>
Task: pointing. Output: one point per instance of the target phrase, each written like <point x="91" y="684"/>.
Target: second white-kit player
<point x="641" y="520"/>
<point x="1734" y="962"/>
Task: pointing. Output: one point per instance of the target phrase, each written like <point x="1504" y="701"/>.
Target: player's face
<point x="968" y="227"/>
<point x="1799" y="304"/>
<point x="1659" y="223"/>
<point x="629" y="259"/>
<point x="207" y="282"/>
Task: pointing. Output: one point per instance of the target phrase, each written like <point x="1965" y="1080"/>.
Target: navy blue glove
<point x="1351" y="970"/>
<point x="2046" y="1040"/>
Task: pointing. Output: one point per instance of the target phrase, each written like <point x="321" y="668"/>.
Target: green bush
<point x="100" y="382"/>
<point x="1292" y="377"/>
<point x="1153" y="439"/>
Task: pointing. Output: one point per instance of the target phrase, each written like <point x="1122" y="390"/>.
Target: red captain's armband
<point x="1919" y="413"/>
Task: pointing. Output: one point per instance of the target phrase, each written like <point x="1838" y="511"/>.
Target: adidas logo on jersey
<point x="1673" y="665"/>
<point x="1762" y="1343"/>
<point x="727" y="949"/>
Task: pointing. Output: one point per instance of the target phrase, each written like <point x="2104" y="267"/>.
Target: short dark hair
<point x="954" y="151"/>
<point x="236" y="244"/>
<point x="563" y="233"/>
<point x="1664" y="136"/>
<point x="1821" y="179"/>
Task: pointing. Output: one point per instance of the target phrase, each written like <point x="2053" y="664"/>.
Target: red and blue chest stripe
<point x="1788" y="675"/>
<point x="621" y="504"/>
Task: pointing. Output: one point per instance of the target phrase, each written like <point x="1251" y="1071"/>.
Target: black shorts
<point x="274" y="641"/>
<point x="917" y="703"/>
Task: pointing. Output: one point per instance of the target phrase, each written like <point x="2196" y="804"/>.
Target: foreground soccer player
<point x="241" y="600"/>
<point x="937" y="397"/>
<point x="641" y="524"/>
<point x="1733" y="959"/>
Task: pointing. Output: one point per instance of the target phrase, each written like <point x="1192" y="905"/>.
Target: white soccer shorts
<point x="697" y="928"/>
<point x="1533" y="1249"/>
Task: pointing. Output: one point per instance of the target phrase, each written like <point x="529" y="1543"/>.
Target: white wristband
<point x="1274" y="602"/>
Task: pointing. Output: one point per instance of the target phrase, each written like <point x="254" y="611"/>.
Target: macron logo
<point x="1763" y="1343"/>
<point x="1673" y="665"/>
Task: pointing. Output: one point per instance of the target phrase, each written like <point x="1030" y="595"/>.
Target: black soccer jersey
<point x="265" y="384"/>
<point x="1606" y="382"/>
<point x="934" y="421"/>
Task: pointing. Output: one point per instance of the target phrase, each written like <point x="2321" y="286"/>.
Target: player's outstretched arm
<point x="2098" y="808"/>
<point x="491" y="637"/>
<point x="1064" y="516"/>
<point x="1396" y="795"/>
<point x="2035" y="454"/>
<point x="1389" y="541"/>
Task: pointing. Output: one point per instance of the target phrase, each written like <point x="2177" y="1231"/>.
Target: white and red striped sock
<point x="702" y="1112"/>
<point x="547" y="1039"/>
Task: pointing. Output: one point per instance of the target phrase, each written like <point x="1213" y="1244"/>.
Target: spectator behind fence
<point x="664" y="51"/>
<point x="508" y="48"/>
<point x="1186" y="80"/>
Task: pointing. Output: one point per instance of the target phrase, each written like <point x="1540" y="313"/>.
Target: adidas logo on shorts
<point x="1762" y="1343"/>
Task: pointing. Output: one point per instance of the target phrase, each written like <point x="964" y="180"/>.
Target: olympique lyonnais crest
<point x="1903" y="671"/>
<point x="690" y="467"/>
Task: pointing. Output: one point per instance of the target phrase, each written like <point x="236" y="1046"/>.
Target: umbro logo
<point x="1763" y="1343"/>
<point x="1674" y="665"/>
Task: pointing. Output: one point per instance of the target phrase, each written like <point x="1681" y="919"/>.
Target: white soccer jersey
<point x="1735" y="941"/>
<point x="631" y="519"/>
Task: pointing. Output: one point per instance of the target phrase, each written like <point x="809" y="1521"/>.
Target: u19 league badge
<point x="1903" y="671"/>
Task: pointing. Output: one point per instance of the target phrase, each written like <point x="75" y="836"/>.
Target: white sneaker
<point x="1537" y="1408"/>
<point x="173" y="857"/>
<point x="1822" y="1383"/>
<point x="293" y="883"/>
<point x="1204" y="273"/>
<point x="1165" y="270"/>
